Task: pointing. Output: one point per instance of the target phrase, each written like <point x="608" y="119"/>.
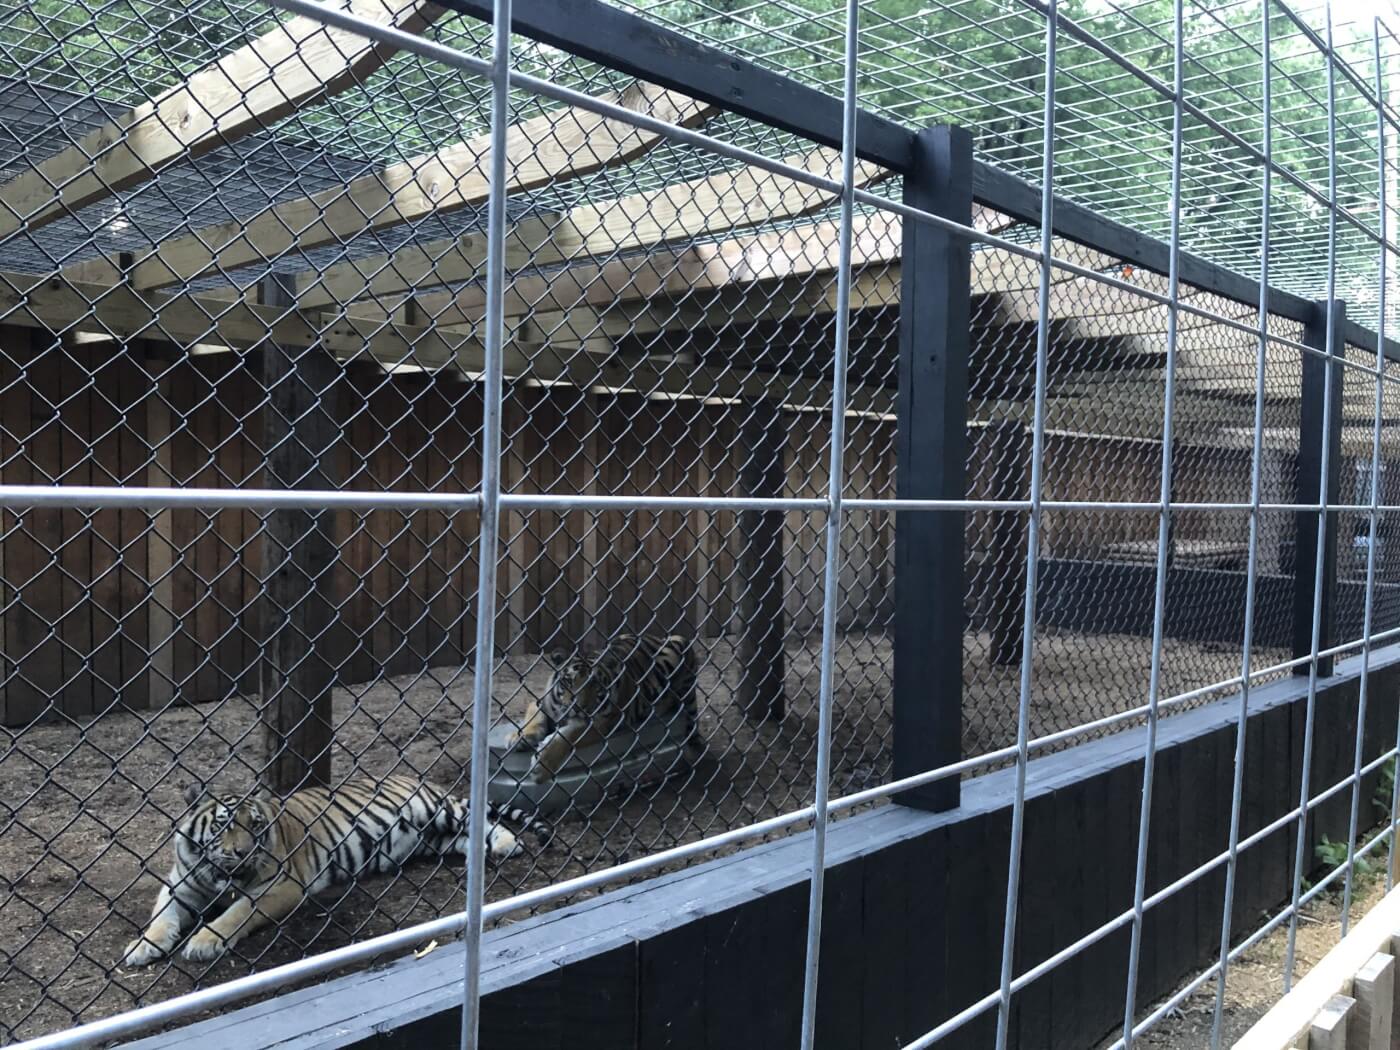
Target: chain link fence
<point x="269" y="272"/>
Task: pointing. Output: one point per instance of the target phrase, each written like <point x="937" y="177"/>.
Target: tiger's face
<point x="228" y="835"/>
<point x="579" y="686"/>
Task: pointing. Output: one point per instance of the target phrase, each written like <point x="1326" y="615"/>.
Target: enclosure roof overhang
<point x="147" y="190"/>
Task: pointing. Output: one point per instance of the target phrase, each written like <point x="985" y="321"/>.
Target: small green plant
<point x="1334" y="855"/>
<point x="1385" y="788"/>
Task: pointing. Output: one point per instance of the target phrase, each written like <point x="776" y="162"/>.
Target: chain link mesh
<point x="279" y="285"/>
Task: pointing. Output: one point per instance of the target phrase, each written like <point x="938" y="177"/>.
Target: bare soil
<point x="1255" y="979"/>
<point x="88" y="809"/>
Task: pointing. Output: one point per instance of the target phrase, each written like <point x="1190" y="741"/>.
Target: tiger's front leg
<point x="178" y="905"/>
<point x="554" y="753"/>
<point x="534" y="729"/>
<point x="244" y="916"/>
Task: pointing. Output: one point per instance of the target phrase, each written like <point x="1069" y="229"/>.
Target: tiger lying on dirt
<point x="270" y="856"/>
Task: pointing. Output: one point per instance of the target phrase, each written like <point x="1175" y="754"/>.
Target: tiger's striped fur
<point x="269" y="856"/>
<point x="593" y="692"/>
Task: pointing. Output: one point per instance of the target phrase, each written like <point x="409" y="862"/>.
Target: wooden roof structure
<point x="720" y="286"/>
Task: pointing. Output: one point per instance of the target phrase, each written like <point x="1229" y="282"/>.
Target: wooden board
<point x="1292" y="1017"/>
<point x="244" y="91"/>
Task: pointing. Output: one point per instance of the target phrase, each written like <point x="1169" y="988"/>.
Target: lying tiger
<point x="594" y="691"/>
<point x="271" y="856"/>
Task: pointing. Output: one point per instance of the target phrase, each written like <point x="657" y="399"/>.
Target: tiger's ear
<point x="556" y="658"/>
<point x="193" y="793"/>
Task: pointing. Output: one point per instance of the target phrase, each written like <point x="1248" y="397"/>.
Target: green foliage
<point x="124" y="49"/>
<point x="1385" y="788"/>
<point x="1334" y="855"/>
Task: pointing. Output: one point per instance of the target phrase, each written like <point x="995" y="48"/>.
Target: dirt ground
<point x="88" y="809"/>
<point x="1255" y="980"/>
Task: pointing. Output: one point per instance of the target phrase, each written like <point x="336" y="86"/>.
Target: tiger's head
<point x="579" y="683"/>
<point x="227" y="835"/>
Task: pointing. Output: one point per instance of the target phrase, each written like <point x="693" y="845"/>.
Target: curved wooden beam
<point x="548" y="148"/>
<point x="729" y="200"/>
<point x="244" y="91"/>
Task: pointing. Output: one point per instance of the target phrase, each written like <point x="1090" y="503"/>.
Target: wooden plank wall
<point x="134" y="609"/>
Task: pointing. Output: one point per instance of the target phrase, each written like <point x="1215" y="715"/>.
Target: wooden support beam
<point x="299" y="554"/>
<point x="185" y="320"/>
<point x="162" y="554"/>
<point x="242" y="92"/>
<point x="552" y="147"/>
<point x="1011" y="458"/>
<point x="1311" y="440"/>
<point x="931" y="450"/>
<point x="716" y="203"/>
<point x="761" y="620"/>
<point x="801" y="252"/>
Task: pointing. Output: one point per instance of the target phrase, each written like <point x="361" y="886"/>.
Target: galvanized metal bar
<point x="1086" y="38"/>
<point x="831" y="575"/>
<point x="1380" y="344"/>
<point x="1164" y="534"/>
<point x="1042" y="352"/>
<point x="121" y="1026"/>
<point x="1300" y="846"/>
<point x="1373" y="519"/>
<point x="489" y="540"/>
<point x="163" y="498"/>
<point x="1256" y="479"/>
<point x="1322" y="886"/>
<point x="1125" y="918"/>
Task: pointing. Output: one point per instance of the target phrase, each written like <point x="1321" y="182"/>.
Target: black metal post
<point x="934" y="317"/>
<point x="1310" y="447"/>
<point x="759" y="605"/>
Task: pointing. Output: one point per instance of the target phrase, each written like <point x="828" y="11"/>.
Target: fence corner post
<point x="299" y="557"/>
<point x="931" y="463"/>
<point x="1310" y="445"/>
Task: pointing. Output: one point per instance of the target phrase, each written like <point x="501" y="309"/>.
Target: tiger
<point x="269" y="855"/>
<point x="594" y="691"/>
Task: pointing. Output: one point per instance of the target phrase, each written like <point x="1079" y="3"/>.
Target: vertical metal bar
<point x="1372" y="532"/>
<point x="1255" y="495"/>
<point x="1380" y="358"/>
<point x="831" y="580"/>
<point x="1320" y="576"/>
<point x="490" y="519"/>
<point x="1164" y="523"/>
<point x="1023" y="713"/>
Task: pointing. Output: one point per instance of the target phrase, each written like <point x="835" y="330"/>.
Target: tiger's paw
<point x="141" y="952"/>
<point x="204" y="946"/>
<point x="501" y="843"/>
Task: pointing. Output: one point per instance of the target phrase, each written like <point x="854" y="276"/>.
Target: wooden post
<point x="299" y="558"/>
<point x="1309" y="491"/>
<point x="160" y="545"/>
<point x="761" y="617"/>
<point x="1373" y="988"/>
<point x="1010" y="456"/>
<point x="931" y="462"/>
<point x="1329" y="1028"/>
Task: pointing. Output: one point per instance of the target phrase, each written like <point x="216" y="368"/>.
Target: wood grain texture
<point x="244" y="91"/>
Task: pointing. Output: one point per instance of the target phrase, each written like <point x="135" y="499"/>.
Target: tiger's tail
<point x="527" y="820"/>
